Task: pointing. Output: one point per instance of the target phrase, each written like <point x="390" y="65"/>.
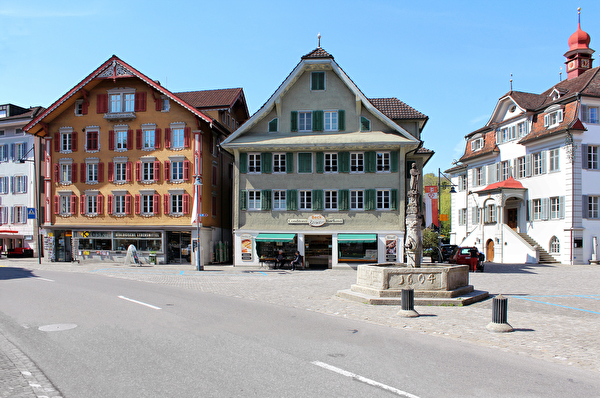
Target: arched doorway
<point x="489" y="250"/>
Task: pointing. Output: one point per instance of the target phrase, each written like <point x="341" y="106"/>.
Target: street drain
<point x="59" y="327"/>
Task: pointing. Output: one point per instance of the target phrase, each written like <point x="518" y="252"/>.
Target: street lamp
<point x="197" y="185"/>
<point x="37" y="199"/>
<point x="452" y="190"/>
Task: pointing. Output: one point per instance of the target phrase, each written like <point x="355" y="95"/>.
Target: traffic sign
<point x="203" y="215"/>
<point x="31" y="213"/>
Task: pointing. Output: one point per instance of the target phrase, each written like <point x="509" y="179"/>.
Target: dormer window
<point x="552" y="119"/>
<point x="477" y="144"/>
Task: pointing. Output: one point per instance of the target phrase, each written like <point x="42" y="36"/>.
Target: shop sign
<point x="391" y="252"/>
<point x="137" y="235"/>
<point x="28" y="237"/>
<point x="246" y="247"/>
<point x="316" y="220"/>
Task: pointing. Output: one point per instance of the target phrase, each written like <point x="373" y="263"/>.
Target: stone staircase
<point x="545" y="257"/>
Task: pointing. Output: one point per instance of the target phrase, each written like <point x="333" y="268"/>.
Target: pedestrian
<point x="279" y="260"/>
<point x="296" y="261"/>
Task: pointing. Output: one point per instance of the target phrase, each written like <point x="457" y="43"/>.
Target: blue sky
<point x="451" y="60"/>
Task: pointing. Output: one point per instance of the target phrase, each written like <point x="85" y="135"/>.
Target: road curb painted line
<point x="44" y="279"/>
<point x="140" y="302"/>
<point x="557" y="305"/>
<point x="364" y="379"/>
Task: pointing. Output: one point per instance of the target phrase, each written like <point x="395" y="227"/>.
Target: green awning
<point x="275" y="237"/>
<point x="357" y="238"/>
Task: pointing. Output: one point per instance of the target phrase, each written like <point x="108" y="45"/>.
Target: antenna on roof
<point x="511" y="82"/>
<point x="560" y="75"/>
<point x="319" y="39"/>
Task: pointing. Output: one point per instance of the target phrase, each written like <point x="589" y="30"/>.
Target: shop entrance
<point x="317" y="253"/>
<point x="178" y="246"/>
<point x="62" y="242"/>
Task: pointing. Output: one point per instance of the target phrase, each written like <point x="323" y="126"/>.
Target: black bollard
<point x="499" y="315"/>
<point x="407" y="297"/>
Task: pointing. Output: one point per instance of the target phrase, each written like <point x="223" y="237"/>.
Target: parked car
<point x="469" y="256"/>
<point x="448" y="251"/>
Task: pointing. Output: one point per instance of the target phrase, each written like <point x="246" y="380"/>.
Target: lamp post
<point x="452" y="190"/>
<point x="197" y="185"/>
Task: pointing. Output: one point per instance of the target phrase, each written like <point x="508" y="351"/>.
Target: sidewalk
<point x="555" y="310"/>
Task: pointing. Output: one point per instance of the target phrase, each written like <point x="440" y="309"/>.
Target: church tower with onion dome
<point x="579" y="56"/>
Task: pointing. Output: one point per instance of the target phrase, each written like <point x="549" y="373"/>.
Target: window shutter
<point x="394" y="199"/>
<point x="166" y="171"/>
<point x="100" y="199"/>
<point x="265" y="199"/>
<point x="73" y="208"/>
<point x="157" y="139"/>
<point x="320" y="162"/>
<point x="317" y="199"/>
<point x="74" y="174"/>
<point x="128" y="204"/>
<point x="561" y="204"/>
<point x="102" y="103"/>
<point x="187" y="137"/>
<point x="74" y="141"/>
<point x="291" y="196"/>
<point x="157" y="170"/>
<point x="344" y="199"/>
<point x="83" y="172"/>
<point x="559" y="116"/>
<point x="56" y="173"/>
<point x="56" y="207"/>
<point x="109" y="205"/>
<point x="294" y="121"/>
<point x="128" y="172"/>
<point x="138" y="171"/>
<point x="394" y="161"/>
<point x="243" y="162"/>
<point x="111" y="171"/>
<point x="266" y="161"/>
<point x="243" y="199"/>
<point x="129" y="140"/>
<point x="370" y="162"/>
<point x="138" y="139"/>
<point x="317" y="120"/>
<point x="370" y="196"/>
<point x="528" y="165"/>
<point x="166" y="208"/>
<point x="584" y="156"/>
<point x="585" y="206"/>
<point x="186" y="203"/>
<point x="545" y="208"/>
<point x="167" y="138"/>
<point x="82" y="205"/>
<point x="583" y="113"/>
<point x="56" y="142"/>
<point x="344" y="162"/>
<point x="111" y="140"/>
<point x="140" y="102"/>
<point x="544" y="162"/>
<point x="157" y="103"/>
<point x="101" y="172"/>
<point x="289" y="162"/>
<point x="529" y="215"/>
<point x="156" y="204"/>
<point x="84" y="107"/>
<point x="187" y="165"/>
<point x="341" y="120"/>
<point x="137" y="204"/>
<point x="546" y="120"/>
<point x="273" y="125"/>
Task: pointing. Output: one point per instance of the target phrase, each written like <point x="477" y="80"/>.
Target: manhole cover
<point x="59" y="327"/>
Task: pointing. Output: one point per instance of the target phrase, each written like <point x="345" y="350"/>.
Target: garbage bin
<point x="152" y="258"/>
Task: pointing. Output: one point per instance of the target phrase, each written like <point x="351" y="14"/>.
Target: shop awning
<point x="275" y="237"/>
<point x="357" y="238"/>
<point x="8" y="231"/>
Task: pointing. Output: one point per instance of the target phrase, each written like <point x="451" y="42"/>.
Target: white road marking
<point x="364" y="379"/>
<point x="44" y="279"/>
<point x="140" y="302"/>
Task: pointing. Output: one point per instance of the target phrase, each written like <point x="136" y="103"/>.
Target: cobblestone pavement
<point x="554" y="310"/>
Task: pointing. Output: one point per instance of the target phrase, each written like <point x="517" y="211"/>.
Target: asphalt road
<point x="107" y="337"/>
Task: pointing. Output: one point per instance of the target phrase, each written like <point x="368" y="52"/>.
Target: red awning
<point x="8" y="231"/>
<point x="508" y="183"/>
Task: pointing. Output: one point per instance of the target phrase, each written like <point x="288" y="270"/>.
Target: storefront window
<point x="95" y="244"/>
<point x="143" y="241"/>
<point x="358" y="251"/>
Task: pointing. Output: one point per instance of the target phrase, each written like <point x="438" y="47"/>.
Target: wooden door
<point x="511" y="218"/>
<point x="489" y="250"/>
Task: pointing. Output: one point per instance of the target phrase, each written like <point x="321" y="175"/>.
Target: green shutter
<point x="294" y="121"/>
<point x="317" y="199"/>
<point x="370" y="196"/>
<point x="317" y="120"/>
<point x="344" y="199"/>
<point x="305" y="162"/>
<point x="394" y="200"/>
<point x="394" y="161"/>
<point x="365" y="124"/>
<point x="370" y="162"/>
<point x="344" y="162"/>
<point x="289" y="162"/>
<point x="266" y="161"/>
<point x="291" y="197"/>
<point x="320" y="162"/>
<point x="317" y="81"/>
<point x="341" y="120"/>
<point x="265" y="199"/>
<point x="273" y="125"/>
<point x="243" y="199"/>
<point x="243" y="162"/>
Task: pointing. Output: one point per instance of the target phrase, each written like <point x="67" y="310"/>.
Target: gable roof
<point x="213" y="99"/>
<point x="114" y="68"/>
<point x="317" y="56"/>
<point x="396" y="109"/>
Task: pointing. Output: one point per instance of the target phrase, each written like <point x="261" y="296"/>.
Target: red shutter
<point x="56" y="209"/>
<point x="128" y="204"/>
<point x="157" y="103"/>
<point x="157" y="170"/>
<point x="101" y="172"/>
<point x="109" y="205"/>
<point x="137" y="204"/>
<point x="56" y="172"/>
<point x="102" y="103"/>
<point x="166" y="176"/>
<point x="156" y="204"/>
<point x="128" y="171"/>
<point x="186" y="203"/>
<point x="157" y="139"/>
<point x="56" y="142"/>
<point x="166" y="203"/>
<point x="138" y="139"/>
<point x="74" y="141"/>
<point x="186" y="170"/>
<point x="111" y="140"/>
<point x="140" y="102"/>
<point x="83" y="173"/>
<point x="111" y="171"/>
<point x="138" y="171"/>
<point x="82" y="205"/>
<point x="74" y="173"/>
<point x="129" y="140"/>
<point x="167" y="138"/>
<point x="73" y="204"/>
<point x="100" y="200"/>
<point x="187" y="137"/>
<point x="84" y="107"/>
